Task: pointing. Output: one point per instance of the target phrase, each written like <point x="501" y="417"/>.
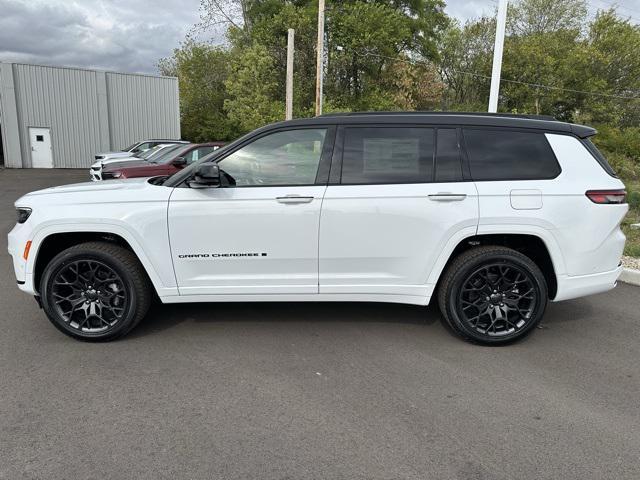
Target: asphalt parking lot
<point x="314" y="391"/>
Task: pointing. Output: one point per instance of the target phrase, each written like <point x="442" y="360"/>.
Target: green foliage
<point x="368" y="72"/>
<point x="251" y="88"/>
<point x="621" y="147"/>
<point x="202" y="71"/>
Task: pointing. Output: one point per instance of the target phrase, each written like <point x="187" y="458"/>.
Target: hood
<point x="126" y="190"/>
<point x="107" y="155"/>
<point x="116" y="165"/>
<point x="108" y="161"/>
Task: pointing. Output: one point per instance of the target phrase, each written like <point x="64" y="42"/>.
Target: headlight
<point x="23" y="214"/>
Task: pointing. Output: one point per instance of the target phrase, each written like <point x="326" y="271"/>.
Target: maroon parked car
<point x="166" y="163"/>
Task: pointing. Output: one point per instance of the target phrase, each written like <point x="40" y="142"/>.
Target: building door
<point x="41" y="155"/>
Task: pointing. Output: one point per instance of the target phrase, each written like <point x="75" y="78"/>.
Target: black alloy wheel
<point x="492" y="295"/>
<point x="498" y="299"/>
<point x="95" y="291"/>
<point x="89" y="296"/>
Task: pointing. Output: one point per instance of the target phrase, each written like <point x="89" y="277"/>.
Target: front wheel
<point x="95" y="291"/>
<point x="493" y="295"/>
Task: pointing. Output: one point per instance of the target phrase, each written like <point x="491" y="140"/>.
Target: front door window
<point x="283" y="158"/>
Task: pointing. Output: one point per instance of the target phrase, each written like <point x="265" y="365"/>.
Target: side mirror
<point x="179" y="162"/>
<point x="207" y="175"/>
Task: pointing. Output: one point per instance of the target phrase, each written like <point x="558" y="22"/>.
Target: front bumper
<point x="95" y="172"/>
<point x="17" y="239"/>
<point x="580" y="286"/>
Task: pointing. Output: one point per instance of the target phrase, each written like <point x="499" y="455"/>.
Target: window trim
<point x="544" y="133"/>
<point x="338" y="152"/>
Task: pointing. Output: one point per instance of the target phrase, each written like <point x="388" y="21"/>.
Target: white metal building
<point x="61" y="117"/>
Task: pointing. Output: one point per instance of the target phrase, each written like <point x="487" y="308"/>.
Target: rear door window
<point x="509" y="155"/>
<point x="387" y="155"/>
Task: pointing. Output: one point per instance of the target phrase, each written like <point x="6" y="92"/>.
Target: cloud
<point x="132" y="35"/>
<point x="128" y="36"/>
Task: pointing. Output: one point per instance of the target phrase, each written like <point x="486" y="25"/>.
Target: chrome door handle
<point x="294" y="199"/>
<point x="448" y="197"/>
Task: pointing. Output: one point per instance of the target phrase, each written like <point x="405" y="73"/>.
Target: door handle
<point x="448" y="197"/>
<point x="294" y="199"/>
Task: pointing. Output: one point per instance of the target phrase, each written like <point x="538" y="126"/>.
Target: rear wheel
<point x="95" y="291"/>
<point x="493" y="295"/>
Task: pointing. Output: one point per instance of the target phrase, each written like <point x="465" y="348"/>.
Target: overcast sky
<point x="131" y="35"/>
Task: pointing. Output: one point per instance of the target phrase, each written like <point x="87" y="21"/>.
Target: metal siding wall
<point x="64" y="100"/>
<point x="142" y="107"/>
<point x="90" y="112"/>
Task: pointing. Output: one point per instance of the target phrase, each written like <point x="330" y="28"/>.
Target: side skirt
<point x="318" y="297"/>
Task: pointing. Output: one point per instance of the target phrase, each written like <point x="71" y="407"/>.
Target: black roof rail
<point x="417" y="112"/>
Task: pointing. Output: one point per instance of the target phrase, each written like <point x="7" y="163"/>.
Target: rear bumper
<point x="580" y="286"/>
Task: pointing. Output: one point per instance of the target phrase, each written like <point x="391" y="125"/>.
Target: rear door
<point x="397" y="197"/>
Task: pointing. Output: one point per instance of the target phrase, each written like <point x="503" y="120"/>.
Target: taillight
<point x="607" y="196"/>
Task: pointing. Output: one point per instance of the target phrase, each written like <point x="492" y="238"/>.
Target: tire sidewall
<point x="62" y="260"/>
<point x="462" y="275"/>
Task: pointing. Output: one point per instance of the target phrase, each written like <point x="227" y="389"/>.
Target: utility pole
<point x="320" y="58"/>
<point x="501" y="24"/>
<point x="289" y="102"/>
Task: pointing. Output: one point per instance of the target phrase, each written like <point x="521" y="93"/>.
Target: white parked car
<point x="95" y="171"/>
<point x="490" y="215"/>
<point x="137" y="147"/>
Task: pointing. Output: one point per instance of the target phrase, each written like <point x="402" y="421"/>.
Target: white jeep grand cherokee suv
<point x="492" y="215"/>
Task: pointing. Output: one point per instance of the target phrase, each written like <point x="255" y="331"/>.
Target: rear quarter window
<point x="509" y="155"/>
<point x="595" y="153"/>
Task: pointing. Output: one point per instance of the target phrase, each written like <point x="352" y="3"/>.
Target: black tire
<point x="118" y="300"/>
<point x="474" y="287"/>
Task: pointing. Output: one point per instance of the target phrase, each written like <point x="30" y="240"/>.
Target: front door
<point x="259" y="234"/>
<point x="41" y="154"/>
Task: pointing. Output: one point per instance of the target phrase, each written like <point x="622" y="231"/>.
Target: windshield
<point x="147" y="154"/>
<point x="169" y="154"/>
<point x="130" y="147"/>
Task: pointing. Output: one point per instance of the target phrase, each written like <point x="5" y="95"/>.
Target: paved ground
<point x="342" y="391"/>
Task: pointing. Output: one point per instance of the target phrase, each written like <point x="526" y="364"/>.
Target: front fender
<point x="153" y="256"/>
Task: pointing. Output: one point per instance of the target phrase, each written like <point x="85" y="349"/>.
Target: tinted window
<point x="387" y="155"/>
<point x="282" y="158"/>
<point x="510" y="155"/>
<point x="600" y="158"/>
<point x="448" y="166"/>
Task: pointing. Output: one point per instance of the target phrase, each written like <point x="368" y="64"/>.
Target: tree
<point x="252" y="89"/>
<point x="202" y="71"/>
<point x="535" y="17"/>
<point x="465" y="65"/>
<point x="613" y="45"/>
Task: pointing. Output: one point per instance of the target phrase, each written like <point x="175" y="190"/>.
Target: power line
<point x="518" y="82"/>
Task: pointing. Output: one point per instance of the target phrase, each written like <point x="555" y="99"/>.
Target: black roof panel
<point x="536" y="122"/>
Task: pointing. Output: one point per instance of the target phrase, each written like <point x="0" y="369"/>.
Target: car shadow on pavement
<point x="163" y="317"/>
<point x="568" y="311"/>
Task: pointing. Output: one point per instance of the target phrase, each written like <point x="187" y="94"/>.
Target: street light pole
<point x="320" y="58"/>
<point x="501" y="24"/>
